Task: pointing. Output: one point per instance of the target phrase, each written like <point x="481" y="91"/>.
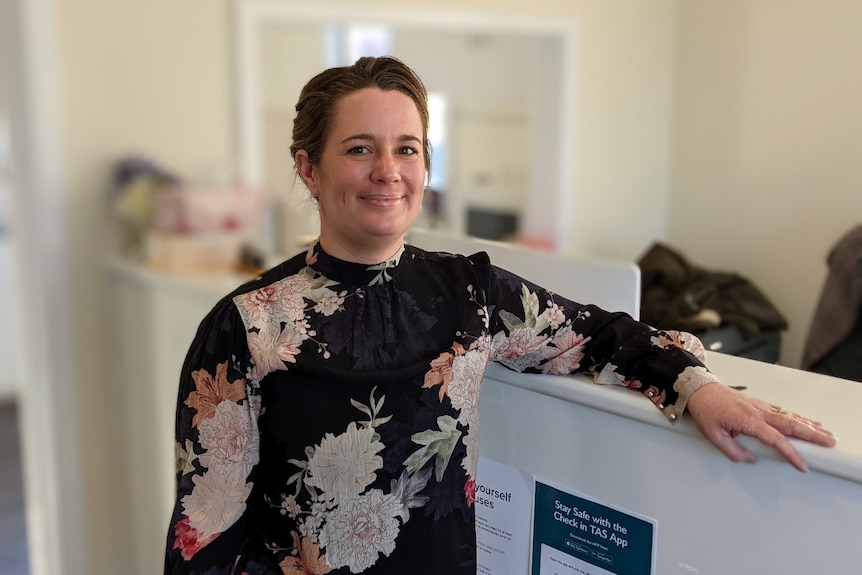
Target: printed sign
<point x="574" y="534"/>
<point x="504" y="504"/>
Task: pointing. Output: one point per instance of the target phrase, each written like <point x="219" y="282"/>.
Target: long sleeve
<point x="534" y="330"/>
<point x="217" y="447"/>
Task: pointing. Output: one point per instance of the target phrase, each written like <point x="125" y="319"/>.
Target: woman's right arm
<point x="217" y="447"/>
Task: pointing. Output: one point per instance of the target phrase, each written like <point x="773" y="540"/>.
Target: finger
<point x="731" y="448"/>
<point x="766" y="434"/>
<point x="800" y="427"/>
<point x="777" y="439"/>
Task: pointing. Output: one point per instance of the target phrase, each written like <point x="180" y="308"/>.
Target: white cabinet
<point x="154" y="318"/>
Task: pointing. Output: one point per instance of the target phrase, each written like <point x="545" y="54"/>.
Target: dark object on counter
<point x="845" y="359"/>
<point x="834" y="343"/>
<point x="251" y="259"/>
<point x="131" y="167"/>
<point x="727" y="311"/>
<point x="765" y="346"/>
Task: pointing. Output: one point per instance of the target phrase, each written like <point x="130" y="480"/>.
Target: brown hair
<point x="315" y="108"/>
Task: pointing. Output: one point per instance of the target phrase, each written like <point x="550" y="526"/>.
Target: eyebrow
<point x="368" y="137"/>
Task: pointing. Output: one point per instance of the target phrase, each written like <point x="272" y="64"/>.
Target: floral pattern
<point x="328" y="415"/>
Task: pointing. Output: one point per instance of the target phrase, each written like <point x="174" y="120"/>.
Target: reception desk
<point x="713" y="516"/>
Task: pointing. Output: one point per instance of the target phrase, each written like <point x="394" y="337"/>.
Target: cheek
<point x="338" y="182"/>
<point x="416" y="177"/>
<point x="350" y="177"/>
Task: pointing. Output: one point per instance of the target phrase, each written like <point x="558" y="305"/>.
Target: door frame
<point x="48" y="404"/>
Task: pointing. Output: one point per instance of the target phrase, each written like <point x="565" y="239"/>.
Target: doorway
<point x="14" y="559"/>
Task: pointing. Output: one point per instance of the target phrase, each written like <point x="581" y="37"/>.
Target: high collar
<point x="352" y="273"/>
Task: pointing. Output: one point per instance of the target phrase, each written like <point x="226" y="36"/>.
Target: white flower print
<point x="255" y="305"/>
<point x="343" y="466"/>
<point x="318" y="508"/>
<point x="554" y="315"/>
<point x="229" y="439"/>
<point x="290" y="507"/>
<point x="359" y="530"/>
<point x="522" y="349"/>
<point x="216" y="502"/>
<point x="303" y="328"/>
<point x="270" y="352"/>
<point x="283" y="301"/>
<point x="470" y="464"/>
<point x="254" y="402"/>
<point x="298" y="284"/>
<point x="467" y="373"/>
<point x="293" y="307"/>
<point x="609" y="375"/>
<point x="308" y="528"/>
<point x="330" y="303"/>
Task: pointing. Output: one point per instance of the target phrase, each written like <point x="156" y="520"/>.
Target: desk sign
<point x="504" y="503"/>
<point x="576" y="535"/>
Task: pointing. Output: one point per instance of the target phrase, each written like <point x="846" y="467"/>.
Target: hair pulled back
<point x="316" y="106"/>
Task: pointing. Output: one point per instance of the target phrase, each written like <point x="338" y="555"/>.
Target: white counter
<point x="835" y="402"/>
<point x="714" y="517"/>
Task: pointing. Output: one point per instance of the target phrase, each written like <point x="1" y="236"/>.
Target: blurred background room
<point x="145" y="172"/>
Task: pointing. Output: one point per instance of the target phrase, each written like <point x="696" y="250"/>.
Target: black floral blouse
<point x="327" y="419"/>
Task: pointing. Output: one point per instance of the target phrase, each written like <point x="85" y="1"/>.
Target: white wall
<point x="768" y="143"/>
<point x="624" y="125"/>
<point x="146" y="77"/>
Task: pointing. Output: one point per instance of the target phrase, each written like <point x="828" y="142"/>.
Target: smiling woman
<point x="328" y="411"/>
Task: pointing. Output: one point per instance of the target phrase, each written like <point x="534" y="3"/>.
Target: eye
<point x="407" y="151"/>
<point x="358" y="150"/>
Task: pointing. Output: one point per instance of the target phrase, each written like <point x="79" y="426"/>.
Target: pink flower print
<point x="569" y="359"/>
<point x="470" y="491"/>
<point x="269" y="353"/>
<point x="188" y="541"/>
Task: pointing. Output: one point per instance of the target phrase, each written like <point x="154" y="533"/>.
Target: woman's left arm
<point x="538" y="331"/>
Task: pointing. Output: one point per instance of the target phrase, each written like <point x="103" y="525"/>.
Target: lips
<point x="382" y="200"/>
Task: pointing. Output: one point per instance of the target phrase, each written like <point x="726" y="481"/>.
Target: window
<point x="347" y="43"/>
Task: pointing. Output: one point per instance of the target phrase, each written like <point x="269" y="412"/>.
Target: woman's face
<point x="370" y="178"/>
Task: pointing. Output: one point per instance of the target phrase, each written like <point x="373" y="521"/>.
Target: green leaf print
<point x="439" y="444"/>
<point x="532" y="318"/>
<point x="185" y="458"/>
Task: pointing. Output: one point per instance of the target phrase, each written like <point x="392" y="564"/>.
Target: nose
<point x="385" y="169"/>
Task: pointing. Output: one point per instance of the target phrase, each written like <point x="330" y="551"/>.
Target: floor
<point x="13" y="533"/>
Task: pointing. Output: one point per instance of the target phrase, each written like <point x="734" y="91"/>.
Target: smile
<point x="382" y="200"/>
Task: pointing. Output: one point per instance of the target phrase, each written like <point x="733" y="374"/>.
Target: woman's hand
<point x="721" y="413"/>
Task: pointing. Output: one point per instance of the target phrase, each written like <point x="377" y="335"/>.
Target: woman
<point x="327" y="416"/>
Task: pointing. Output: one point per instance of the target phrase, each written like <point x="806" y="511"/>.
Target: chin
<point x="388" y="233"/>
<point x="390" y="228"/>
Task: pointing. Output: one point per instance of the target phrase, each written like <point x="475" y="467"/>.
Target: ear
<point x="306" y="171"/>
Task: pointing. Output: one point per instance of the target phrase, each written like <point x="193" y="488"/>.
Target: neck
<point x="369" y="253"/>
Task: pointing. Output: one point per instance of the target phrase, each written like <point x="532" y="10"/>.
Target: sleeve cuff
<point x="690" y="380"/>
